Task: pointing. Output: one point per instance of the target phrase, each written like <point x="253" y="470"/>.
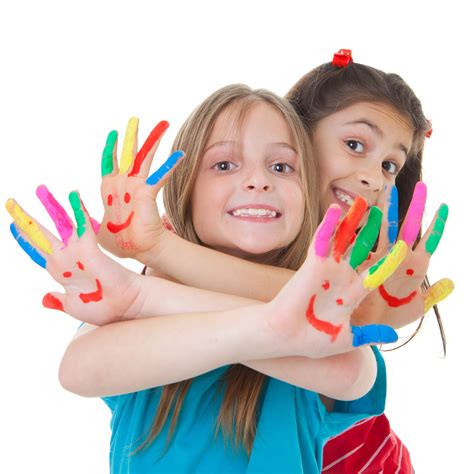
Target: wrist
<point x="153" y="255"/>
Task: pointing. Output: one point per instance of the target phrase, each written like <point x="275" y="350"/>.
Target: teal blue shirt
<point x="293" y="426"/>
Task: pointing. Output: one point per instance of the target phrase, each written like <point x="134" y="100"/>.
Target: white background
<point x="73" y="71"/>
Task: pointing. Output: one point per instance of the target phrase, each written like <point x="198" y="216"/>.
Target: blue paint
<point x="373" y="334"/>
<point x="393" y="216"/>
<point x="169" y="164"/>
<point x="27" y="247"/>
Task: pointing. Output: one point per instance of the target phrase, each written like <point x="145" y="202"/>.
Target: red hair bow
<point x="342" y="58"/>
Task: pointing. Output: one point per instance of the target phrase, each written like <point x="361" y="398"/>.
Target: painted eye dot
<point x="109" y="199"/>
<point x="126" y="198"/>
<point x="67" y="274"/>
<point x="339" y="301"/>
<point x="80" y="265"/>
<point x="410" y="272"/>
<point x="326" y="285"/>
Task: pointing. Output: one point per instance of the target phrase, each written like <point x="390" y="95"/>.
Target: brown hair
<point x="242" y="386"/>
<point x="328" y="89"/>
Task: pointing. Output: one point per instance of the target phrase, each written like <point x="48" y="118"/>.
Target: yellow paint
<point x="129" y="145"/>
<point x="29" y="226"/>
<point x="438" y="292"/>
<point x="388" y="267"/>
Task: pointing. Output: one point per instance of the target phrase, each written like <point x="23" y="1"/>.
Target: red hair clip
<point x="430" y="131"/>
<point x="342" y="58"/>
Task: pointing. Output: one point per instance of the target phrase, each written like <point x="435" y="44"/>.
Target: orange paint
<point x="51" y="302"/>
<point x="320" y="325"/>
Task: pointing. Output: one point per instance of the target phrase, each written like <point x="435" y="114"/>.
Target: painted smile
<point x="393" y="301"/>
<point x="115" y="228"/>
<point x="94" y="296"/>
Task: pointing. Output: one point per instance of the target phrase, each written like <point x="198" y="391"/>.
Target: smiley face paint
<point x="147" y="147"/>
<point x="326" y="285"/>
<point x="393" y="216"/>
<point x="51" y="302"/>
<point x="345" y="231"/>
<point x="438" y="229"/>
<point x="168" y="165"/>
<point x="116" y="228"/>
<point x="438" y="292"/>
<point x="320" y="325"/>
<point x="412" y="223"/>
<point x="27" y="247"/>
<point x="325" y="231"/>
<point x="393" y="301"/>
<point x="129" y="145"/>
<point x="107" y="163"/>
<point x="29" y="226"/>
<point x="93" y="296"/>
<point x="385" y="269"/>
<point x="373" y="334"/>
<point x="410" y="272"/>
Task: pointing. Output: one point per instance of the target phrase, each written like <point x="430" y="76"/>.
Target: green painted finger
<point x="438" y="229"/>
<point x="108" y="153"/>
<point x="366" y="238"/>
<point x="79" y="214"/>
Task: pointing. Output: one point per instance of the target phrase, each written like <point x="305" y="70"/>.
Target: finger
<point x="164" y="170"/>
<point x="437" y="292"/>
<point x="109" y="155"/>
<point x="129" y="147"/>
<point x="148" y="151"/>
<point x="392" y="218"/>
<point x="412" y="224"/>
<point x="95" y="225"/>
<point x="35" y="233"/>
<point x="386" y="266"/>
<point x="33" y="253"/>
<point x="373" y="334"/>
<point x="61" y="220"/>
<point x="80" y="213"/>
<point x="346" y="229"/>
<point x="366" y="238"/>
<point x="435" y="231"/>
<point x="54" y="301"/>
<point x="325" y="230"/>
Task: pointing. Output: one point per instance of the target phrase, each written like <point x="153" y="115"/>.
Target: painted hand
<point x="401" y="300"/>
<point x="313" y="310"/>
<point x="97" y="289"/>
<point x="132" y="225"/>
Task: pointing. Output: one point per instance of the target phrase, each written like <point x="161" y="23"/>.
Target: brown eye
<point x="109" y="199"/>
<point x="126" y="198"/>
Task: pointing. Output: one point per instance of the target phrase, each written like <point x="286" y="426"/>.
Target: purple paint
<point x="412" y="224"/>
<point x="325" y="231"/>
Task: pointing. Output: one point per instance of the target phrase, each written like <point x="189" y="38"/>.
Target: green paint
<point x="438" y="229"/>
<point x="108" y="153"/>
<point x="375" y="267"/>
<point x="366" y="238"/>
<point x="75" y="201"/>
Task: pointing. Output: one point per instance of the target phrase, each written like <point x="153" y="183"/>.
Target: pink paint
<point x="412" y="224"/>
<point x="321" y="325"/>
<point x="61" y="220"/>
<point x="325" y="231"/>
<point x="93" y="296"/>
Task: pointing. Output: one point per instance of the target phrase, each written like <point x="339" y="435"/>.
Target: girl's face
<point x="247" y="199"/>
<point x="360" y="149"/>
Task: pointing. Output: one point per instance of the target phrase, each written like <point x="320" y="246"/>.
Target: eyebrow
<point x="233" y="142"/>
<point x="377" y="130"/>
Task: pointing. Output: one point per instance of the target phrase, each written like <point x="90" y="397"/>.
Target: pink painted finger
<point x="412" y="224"/>
<point x="325" y="231"/>
<point x="61" y="220"/>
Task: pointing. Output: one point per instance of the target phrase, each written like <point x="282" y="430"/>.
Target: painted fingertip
<point x="326" y="229"/>
<point x="373" y="334"/>
<point x="414" y="215"/>
<point x="393" y="216"/>
<point x="79" y="214"/>
<point x="51" y="302"/>
<point x="27" y="247"/>
<point x="437" y="293"/>
<point x="129" y="143"/>
<point x="435" y="237"/>
<point x="107" y="163"/>
<point x="167" y="166"/>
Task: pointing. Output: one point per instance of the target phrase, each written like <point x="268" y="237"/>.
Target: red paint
<point x="126" y="198"/>
<point x="51" y="302"/>
<point x="115" y="228"/>
<point x="67" y="274"/>
<point x="80" y="265"/>
<point x="410" y="272"/>
<point x="110" y="199"/>
<point x="340" y="301"/>
<point x="150" y="142"/>
<point x="326" y="285"/>
<point x="319" y="324"/>
<point x="393" y="301"/>
<point x="369" y="257"/>
<point x="94" y="296"/>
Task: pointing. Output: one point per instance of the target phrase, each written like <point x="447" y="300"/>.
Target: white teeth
<point x="254" y="212"/>
<point x="344" y="197"/>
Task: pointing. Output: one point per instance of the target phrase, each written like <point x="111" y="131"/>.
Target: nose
<point x="257" y="180"/>
<point x="371" y="178"/>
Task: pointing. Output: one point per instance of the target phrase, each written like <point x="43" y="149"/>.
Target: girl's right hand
<point x="312" y="312"/>
<point x="131" y="226"/>
<point x="97" y="289"/>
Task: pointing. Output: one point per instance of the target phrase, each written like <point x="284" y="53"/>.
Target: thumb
<point x="373" y="334"/>
<point x="437" y="292"/>
<point x="165" y="170"/>
<point x="54" y="301"/>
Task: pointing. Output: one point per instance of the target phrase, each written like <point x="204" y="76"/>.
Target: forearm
<point x="214" y="270"/>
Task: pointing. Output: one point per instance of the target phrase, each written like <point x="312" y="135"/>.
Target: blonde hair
<point x="242" y="386"/>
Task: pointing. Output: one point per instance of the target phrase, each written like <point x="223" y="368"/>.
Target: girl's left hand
<point x="401" y="300"/>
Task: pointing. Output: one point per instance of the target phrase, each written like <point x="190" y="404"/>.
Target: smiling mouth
<point x="94" y="296"/>
<point x="115" y="228"/>
<point x="343" y="196"/>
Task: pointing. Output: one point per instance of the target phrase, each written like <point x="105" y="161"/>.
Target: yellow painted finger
<point x="386" y="267"/>
<point x="29" y="226"/>
<point x="129" y="145"/>
<point x="438" y="292"/>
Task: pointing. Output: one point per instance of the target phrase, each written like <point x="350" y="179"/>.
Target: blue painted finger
<point x="373" y="334"/>
<point x="393" y="216"/>
<point x="168" y="165"/>
<point x="27" y="247"/>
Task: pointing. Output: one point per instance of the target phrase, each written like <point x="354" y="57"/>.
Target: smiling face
<point x="247" y="199"/>
<point x="360" y="149"/>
